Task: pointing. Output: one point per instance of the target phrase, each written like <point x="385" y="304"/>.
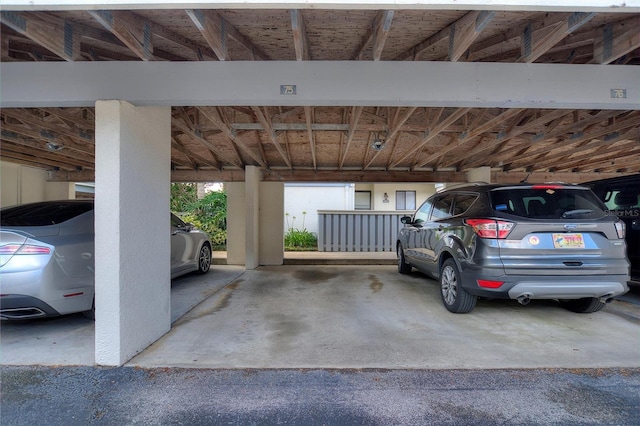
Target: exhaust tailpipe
<point x="606" y="299"/>
<point x="524" y="299"/>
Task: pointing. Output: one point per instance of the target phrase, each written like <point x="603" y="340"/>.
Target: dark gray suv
<point x="522" y="242"/>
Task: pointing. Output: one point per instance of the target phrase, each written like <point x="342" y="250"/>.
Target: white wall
<point x="423" y="190"/>
<point x="310" y="198"/>
<point x="22" y="184"/>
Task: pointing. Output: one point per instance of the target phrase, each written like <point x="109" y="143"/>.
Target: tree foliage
<point x="208" y="214"/>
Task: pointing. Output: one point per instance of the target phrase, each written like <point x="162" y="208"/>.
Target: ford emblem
<point x="570" y="227"/>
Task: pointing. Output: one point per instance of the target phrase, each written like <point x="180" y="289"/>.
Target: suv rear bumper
<point x="604" y="290"/>
<point x="548" y="286"/>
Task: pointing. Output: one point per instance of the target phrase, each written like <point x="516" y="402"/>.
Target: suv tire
<point x="403" y="266"/>
<point x="455" y="298"/>
<point x="583" y="306"/>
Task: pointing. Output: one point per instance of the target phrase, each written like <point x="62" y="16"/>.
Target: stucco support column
<point x="271" y="230"/>
<point x="480" y="174"/>
<point x="252" y="177"/>
<point x="235" y="223"/>
<point x="132" y="243"/>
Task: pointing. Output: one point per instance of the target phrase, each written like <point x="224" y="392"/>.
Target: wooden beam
<point x="469" y="135"/>
<point x="212" y="115"/>
<point x="450" y="119"/>
<point x="132" y="30"/>
<point x="215" y="29"/>
<point x="630" y="120"/>
<point x="308" y="114"/>
<point x="397" y="123"/>
<point x="353" y="124"/>
<point x="25" y="116"/>
<point x="264" y="119"/>
<point x="300" y="40"/>
<point x="381" y="28"/>
<point x="466" y="30"/>
<point x="536" y="43"/>
<point x="56" y="35"/>
<point x="187" y="130"/>
<point x="616" y="40"/>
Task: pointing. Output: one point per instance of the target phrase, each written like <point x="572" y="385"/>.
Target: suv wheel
<point x="454" y="297"/>
<point x="583" y="306"/>
<point x="403" y="266"/>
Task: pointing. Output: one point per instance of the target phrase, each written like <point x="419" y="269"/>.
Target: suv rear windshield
<point x="43" y="214"/>
<point x="547" y="202"/>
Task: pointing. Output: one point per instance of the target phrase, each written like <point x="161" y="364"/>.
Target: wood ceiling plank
<point x="131" y="29"/>
<point x="435" y="131"/>
<point x="264" y="119"/>
<point x="354" y="117"/>
<point x="308" y="115"/>
<point x="616" y="40"/>
<point x="212" y="115"/>
<point x="300" y="39"/>
<point x="54" y="34"/>
<point x="536" y="43"/>
<point x="466" y="30"/>
<point x="469" y="135"/>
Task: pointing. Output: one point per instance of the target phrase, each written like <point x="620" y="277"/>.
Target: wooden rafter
<point x="132" y="30"/>
<point x="395" y="125"/>
<point x="435" y="131"/>
<point x="616" y="40"/>
<point x="56" y="35"/>
<point x="265" y="120"/>
<point x="300" y="39"/>
<point x="470" y="26"/>
<point x="212" y="115"/>
<point x="469" y="135"/>
<point x="354" y="117"/>
<point x="215" y="30"/>
<point x="308" y="115"/>
<point x="536" y="43"/>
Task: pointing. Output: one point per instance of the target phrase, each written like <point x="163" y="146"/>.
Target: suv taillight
<point x="620" y="229"/>
<point x="490" y="228"/>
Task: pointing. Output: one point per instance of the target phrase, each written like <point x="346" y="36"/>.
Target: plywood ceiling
<point x="335" y="143"/>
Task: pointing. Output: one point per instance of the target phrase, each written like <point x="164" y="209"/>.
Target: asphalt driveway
<point x="335" y="316"/>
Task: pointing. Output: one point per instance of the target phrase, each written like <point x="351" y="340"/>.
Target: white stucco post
<point x="480" y="174"/>
<point x="252" y="177"/>
<point x="235" y="223"/>
<point x="132" y="243"/>
<point x="271" y="215"/>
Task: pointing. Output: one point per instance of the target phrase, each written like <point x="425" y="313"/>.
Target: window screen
<point x="405" y="200"/>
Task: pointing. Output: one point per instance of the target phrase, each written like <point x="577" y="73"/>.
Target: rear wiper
<point x="576" y="212"/>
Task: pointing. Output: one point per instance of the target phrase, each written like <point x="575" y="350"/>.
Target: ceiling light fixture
<point x="378" y="142"/>
<point x="54" y="147"/>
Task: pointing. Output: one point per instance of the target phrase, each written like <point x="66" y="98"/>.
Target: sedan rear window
<point x="547" y="202"/>
<point x="42" y="214"/>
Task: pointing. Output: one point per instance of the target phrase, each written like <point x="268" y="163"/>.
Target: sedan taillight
<point x="12" y="249"/>
<point x="490" y="228"/>
<point x="620" y="229"/>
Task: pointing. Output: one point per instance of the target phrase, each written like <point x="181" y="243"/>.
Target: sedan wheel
<point x="204" y="259"/>
<point x="455" y="298"/>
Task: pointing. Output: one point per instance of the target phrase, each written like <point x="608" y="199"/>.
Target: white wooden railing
<point x="358" y="230"/>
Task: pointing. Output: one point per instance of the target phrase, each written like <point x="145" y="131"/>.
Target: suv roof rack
<point x="463" y="184"/>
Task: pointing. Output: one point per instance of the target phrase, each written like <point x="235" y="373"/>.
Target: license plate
<point x="571" y="241"/>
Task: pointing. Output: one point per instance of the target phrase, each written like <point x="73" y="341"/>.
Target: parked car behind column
<point x="522" y="242"/>
<point x="47" y="258"/>
<point x="621" y="195"/>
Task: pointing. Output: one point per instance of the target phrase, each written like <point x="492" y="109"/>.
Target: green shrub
<point x="208" y="214"/>
<point x="299" y="239"/>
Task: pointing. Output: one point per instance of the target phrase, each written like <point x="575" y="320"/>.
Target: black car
<point x="522" y="242"/>
<point x="621" y="195"/>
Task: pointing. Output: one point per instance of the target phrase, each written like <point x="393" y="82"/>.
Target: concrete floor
<point x="339" y="316"/>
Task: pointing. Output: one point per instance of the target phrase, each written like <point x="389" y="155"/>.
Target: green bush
<point x="208" y="214"/>
<point x="299" y="239"/>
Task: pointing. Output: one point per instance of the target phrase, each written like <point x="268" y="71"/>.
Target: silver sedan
<point x="47" y="258"/>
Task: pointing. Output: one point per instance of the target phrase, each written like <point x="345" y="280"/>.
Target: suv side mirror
<point x="405" y="220"/>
